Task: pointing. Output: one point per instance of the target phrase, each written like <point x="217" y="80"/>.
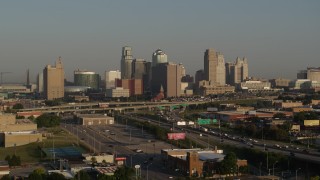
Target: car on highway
<point x="138" y="151"/>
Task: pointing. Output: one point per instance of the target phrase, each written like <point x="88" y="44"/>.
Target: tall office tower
<point x="126" y="63"/>
<point x="312" y="73"/>
<point x="214" y="67"/>
<point x="40" y="83"/>
<point x="237" y="72"/>
<point x="159" y="57"/>
<point x="87" y="78"/>
<point x="230" y="73"/>
<point x="110" y="77"/>
<point x="199" y="76"/>
<point x="147" y="78"/>
<point x="167" y="75"/>
<point x="139" y="68"/>
<point x="28" y="78"/>
<point x="53" y="81"/>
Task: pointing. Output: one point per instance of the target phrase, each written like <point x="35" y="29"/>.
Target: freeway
<point x="93" y="107"/>
<point x="208" y="138"/>
<point x="123" y="141"/>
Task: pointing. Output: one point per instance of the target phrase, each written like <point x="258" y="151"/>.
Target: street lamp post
<point x="142" y="129"/>
<point x="148" y="170"/>
<point x="297" y="173"/>
<point x="260" y="168"/>
<point x="273" y="167"/>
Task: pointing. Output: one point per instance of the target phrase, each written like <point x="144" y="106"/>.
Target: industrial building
<point x="117" y="92"/>
<point x="87" y="79"/>
<point x="53" y="81"/>
<point x="194" y="162"/>
<point x="17" y="132"/>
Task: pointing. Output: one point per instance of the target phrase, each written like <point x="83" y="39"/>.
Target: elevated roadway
<point x="112" y="106"/>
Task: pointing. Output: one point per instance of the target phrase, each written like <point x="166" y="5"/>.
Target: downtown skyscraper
<point x="53" y="81"/>
<point x="126" y="63"/>
<point x="237" y="72"/>
<point x="214" y="67"/>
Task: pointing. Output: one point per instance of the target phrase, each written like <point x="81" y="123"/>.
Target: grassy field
<point x="30" y="153"/>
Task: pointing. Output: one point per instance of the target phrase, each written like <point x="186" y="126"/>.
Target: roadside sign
<point x="204" y="121"/>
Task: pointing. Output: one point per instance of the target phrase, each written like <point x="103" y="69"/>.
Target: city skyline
<point x="278" y="38"/>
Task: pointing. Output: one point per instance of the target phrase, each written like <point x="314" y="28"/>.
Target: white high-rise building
<point x="159" y="57"/>
<point x="40" y="83"/>
<point x="110" y="77"/>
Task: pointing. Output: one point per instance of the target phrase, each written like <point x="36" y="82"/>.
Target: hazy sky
<point x="278" y="37"/>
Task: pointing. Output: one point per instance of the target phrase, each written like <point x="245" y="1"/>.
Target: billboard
<point x="181" y="123"/>
<point x="204" y="121"/>
<point x="176" y="136"/>
<point x="311" y="122"/>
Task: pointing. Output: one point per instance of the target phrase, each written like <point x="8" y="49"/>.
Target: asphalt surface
<point x="123" y="141"/>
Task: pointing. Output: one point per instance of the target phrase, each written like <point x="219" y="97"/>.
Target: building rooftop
<point x="93" y="116"/>
<point x="20" y="132"/>
<point x="210" y="155"/>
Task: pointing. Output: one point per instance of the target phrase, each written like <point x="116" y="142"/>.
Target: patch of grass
<point x="30" y="153"/>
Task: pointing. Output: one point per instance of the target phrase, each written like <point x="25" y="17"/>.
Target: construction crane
<point x="1" y="74"/>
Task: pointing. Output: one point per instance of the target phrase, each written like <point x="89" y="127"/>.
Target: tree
<point x="315" y="178"/>
<point x="55" y="176"/>
<point x="228" y="164"/>
<point x="13" y="160"/>
<point x="54" y="102"/>
<point x="38" y="174"/>
<point x="301" y="116"/>
<point x="123" y="173"/>
<point x="279" y="115"/>
<point x="39" y="171"/>
<point x="7" y="158"/>
<point x="48" y="120"/>
<point x="83" y="175"/>
<point x="31" y="118"/>
<point x="243" y="169"/>
<point x="6" y="177"/>
<point x="17" y="106"/>
<point x="93" y="160"/>
<point x="106" y="177"/>
<point x="251" y="130"/>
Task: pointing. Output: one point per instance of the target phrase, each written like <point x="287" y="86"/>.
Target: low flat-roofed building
<point x="94" y="119"/>
<point x="17" y="88"/>
<point x="11" y="139"/>
<point x="117" y="92"/>
<point x="108" y="158"/>
<point x="315" y="102"/>
<point x="301" y="109"/>
<point x="289" y="104"/>
<point x="67" y="174"/>
<point x="208" y="87"/>
<point x="27" y="114"/>
<point x="238" y="115"/>
<point x="295" y="128"/>
<point x="193" y="162"/>
<point x="107" y="170"/>
<point x="280" y="83"/>
<point x="7" y="119"/>
<point x="4" y="168"/>
<point x="19" y="125"/>
<point x="252" y="86"/>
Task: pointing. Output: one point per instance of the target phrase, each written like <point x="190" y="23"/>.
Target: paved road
<point x="194" y="134"/>
<point x="123" y="140"/>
